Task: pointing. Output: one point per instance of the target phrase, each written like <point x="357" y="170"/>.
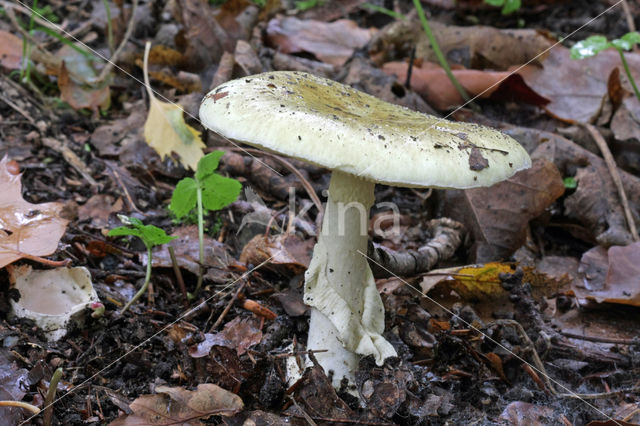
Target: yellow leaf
<point x="166" y="131"/>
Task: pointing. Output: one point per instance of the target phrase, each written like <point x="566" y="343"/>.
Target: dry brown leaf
<point x="498" y="216"/>
<point x="595" y="201"/>
<point x="477" y="46"/>
<point x="175" y="405"/>
<point x="166" y="131"/>
<point x="25" y="229"/>
<point x="332" y="42"/>
<point x="243" y="333"/>
<point x="576" y="88"/>
<point x="610" y="276"/>
<point x="10" y="51"/>
<point x="287" y="254"/>
<point x="625" y="123"/>
<point x="204" y="40"/>
<point x="432" y="82"/>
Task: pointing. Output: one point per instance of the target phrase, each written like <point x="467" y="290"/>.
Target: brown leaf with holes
<point x="498" y="216"/>
<point x="175" y="405"/>
<point x="25" y="229"/>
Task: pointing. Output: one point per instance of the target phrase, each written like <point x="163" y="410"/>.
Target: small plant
<point x="303" y="5"/>
<point x="593" y="45"/>
<point x="206" y="191"/>
<point x="151" y="236"/>
<point x="508" y="6"/>
<point x="438" y="52"/>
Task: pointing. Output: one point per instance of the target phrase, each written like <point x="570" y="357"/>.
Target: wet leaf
<point x="175" y="405"/>
<point x="481" y="282"/>
<point x="25" y="228"/>
<point x="166" y="131"/>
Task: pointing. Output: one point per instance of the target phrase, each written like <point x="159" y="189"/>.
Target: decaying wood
<point x="447" y="237"/>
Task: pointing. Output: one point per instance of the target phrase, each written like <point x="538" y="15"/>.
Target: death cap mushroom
<point x="335" y="126"/>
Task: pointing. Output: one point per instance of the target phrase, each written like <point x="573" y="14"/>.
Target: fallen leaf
<point x="175" y="405"/>
<point x="594" y="202"/>
<point x="203" y="39"/>
<point x="610" y="276"/>
<point x="332" y="42"/>
<point x="520" y="413"/>
<point x="286" y="254"/>
<point x="187" y="251"/>
<point x="431" y="81"/>
<point x="13" y="381"/>
<point x="481" y="282"/>
<point x="10" y="51"/>
<point x="242" y="333"/>
<point x="166" y="131"/>
<point x="25" y="229"/>
<point x="77" y="82"/>
<point x="625" y="123"/>
<point x="98" y="208"/>
<point x="476" y="46"/>
<point x="576" y="88"/>
<point x="498" y="216"/>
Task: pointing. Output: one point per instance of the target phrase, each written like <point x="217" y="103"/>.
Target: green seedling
<point x="570" y="182"/>
<point x="384" y="10"/>
<point x="593" y="45"/>
<point x="508" y="6"/>
<point x="206" y="191"/>
<point x="303" y="5"/>
<point x="438" y="52"/>
<point x="151" y="236"/>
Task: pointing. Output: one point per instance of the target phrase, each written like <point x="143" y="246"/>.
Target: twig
<point x="18" y="109"/>
<point x="127" y="35"/>
<point x="629" y="16"/>
<point x="613" y="170"/>
<point x="176" y="271"/>
<point x="228" y="307"/>
<point x="598" y="339"/>
<point x="301" y="410"/>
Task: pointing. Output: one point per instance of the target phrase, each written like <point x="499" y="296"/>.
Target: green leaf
<point x="149" y="234"/>
<point x="208" y="164"/>
<point x="184" y="197"/>
<point x="154" y="236"/>
<point x="570" y="182"/>
<point x="125" y="231"/>
<point x="589" y="47"/>
<point x="627" y="41"/>
<point x="219" y="191"/>
<point x="495" y="2"/>
<point x="511" y="6"/>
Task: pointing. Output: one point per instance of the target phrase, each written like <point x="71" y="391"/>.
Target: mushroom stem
<point x="348" y="319"/>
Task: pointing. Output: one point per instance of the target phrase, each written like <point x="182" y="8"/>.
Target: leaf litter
<point x="447" y="371"/>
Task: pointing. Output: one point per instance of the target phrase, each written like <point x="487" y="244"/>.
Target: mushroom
<point x="363" y="140"/>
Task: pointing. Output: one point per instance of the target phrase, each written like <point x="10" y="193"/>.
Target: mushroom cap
<point x="335" y="126"/>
